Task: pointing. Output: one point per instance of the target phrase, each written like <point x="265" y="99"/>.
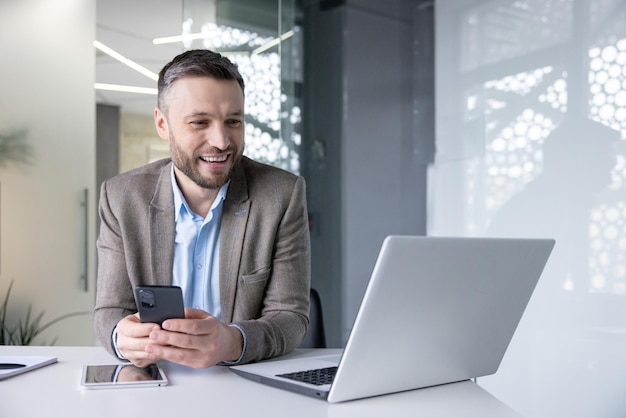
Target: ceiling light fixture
<point x="125" y="89"/>
<point x="203" y="35"/>
<point x="130" y="63"/>
<point x="273" y="42"/>
<point x="179" y="38"/>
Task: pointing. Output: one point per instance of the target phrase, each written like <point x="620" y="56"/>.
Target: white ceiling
<point x="128" y="27"/>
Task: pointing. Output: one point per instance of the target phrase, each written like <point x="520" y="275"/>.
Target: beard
<point x="188" y="165"/>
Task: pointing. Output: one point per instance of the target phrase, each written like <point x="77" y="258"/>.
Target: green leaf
<point x="29" y="327"/>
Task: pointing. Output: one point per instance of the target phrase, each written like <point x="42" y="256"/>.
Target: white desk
<point x="55" y="391"/>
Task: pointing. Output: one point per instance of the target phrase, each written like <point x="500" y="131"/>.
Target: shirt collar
<point x="181" y="204"/>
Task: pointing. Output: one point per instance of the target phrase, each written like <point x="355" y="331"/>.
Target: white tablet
<point x="105" y="376"/>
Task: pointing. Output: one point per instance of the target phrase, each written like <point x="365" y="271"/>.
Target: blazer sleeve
<point x="114" y="294"/>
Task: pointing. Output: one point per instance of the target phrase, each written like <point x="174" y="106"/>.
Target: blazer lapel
<point x="162" y="228"/>
<point x="234" y="219"/>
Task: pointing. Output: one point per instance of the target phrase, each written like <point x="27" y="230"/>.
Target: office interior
<point x="418" y="117"/>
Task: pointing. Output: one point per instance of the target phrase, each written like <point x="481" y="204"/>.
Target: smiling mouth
<point x="215" y="159"/>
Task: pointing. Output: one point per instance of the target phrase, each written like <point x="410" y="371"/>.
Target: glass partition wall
<point x="263" y="38"/>
<point x="531" y="141"/>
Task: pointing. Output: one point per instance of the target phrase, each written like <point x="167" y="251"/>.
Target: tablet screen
<point x="122" y="375"/>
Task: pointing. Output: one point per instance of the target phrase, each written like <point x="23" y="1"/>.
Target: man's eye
<point x="233" y="122"/>
<point x="198" y="123"/>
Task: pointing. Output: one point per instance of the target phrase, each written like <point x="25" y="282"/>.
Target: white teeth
<point x="219" y="159"/>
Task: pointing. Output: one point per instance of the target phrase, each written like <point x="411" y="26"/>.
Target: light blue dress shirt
<point x="196" y="252"/>
<point x="196" y="255"/>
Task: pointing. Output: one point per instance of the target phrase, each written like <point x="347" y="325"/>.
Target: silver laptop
<point x="436" y="310"/>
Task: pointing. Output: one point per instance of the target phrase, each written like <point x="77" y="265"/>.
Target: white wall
<point x="46" y="79"/>
<point x="531" y="121"/>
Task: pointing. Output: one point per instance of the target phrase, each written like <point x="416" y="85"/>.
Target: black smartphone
<point x="158" y="303"/>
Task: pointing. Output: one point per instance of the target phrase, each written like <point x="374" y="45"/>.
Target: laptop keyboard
<point x="317" y="377"/>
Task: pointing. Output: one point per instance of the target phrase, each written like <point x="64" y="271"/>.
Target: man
<point x="233" y="233"/>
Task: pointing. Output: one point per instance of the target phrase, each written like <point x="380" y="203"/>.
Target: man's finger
<point x="175" y="339"/>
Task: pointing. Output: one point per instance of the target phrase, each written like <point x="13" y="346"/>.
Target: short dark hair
<point x="195" y="63"/>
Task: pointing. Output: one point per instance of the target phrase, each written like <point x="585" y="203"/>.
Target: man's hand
<point x="200" y="340"/>
<point x="132" y="339"/>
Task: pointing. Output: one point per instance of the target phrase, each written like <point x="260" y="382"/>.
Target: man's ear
<point x="160" y="121"/>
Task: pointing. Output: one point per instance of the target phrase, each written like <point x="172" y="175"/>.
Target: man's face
<point x="204" y="125"/>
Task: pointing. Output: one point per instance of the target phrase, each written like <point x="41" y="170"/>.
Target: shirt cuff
<point x="243" y="350"/>
<point x="114" y="345"/>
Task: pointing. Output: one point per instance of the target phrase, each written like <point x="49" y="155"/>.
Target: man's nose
<point x="217" y="137"/>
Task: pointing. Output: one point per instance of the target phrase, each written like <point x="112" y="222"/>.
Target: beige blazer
<point x="264" y="252"/>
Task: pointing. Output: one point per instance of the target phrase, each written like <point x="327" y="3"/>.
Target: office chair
<point x="315" y="336"/>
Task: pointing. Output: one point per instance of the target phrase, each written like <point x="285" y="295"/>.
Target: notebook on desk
<point x="14" y="365"/>
<point x="436" y="310"/>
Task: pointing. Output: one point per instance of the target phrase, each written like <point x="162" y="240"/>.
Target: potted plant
<point x="27" y="328"/>
<point x="14" y="148"/>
